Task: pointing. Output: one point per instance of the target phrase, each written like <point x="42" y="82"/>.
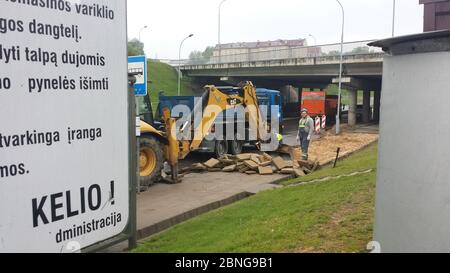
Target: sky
<point x="170" y="21"/>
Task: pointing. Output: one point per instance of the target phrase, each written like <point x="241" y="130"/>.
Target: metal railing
<point x="252" y="55"/>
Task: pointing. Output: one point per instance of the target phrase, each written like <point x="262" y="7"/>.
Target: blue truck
<point x="266" y="97"/>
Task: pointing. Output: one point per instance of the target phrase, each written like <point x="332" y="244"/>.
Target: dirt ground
<point x="324" y="149"/>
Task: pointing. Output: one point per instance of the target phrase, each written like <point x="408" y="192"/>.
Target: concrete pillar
<point x="372" y="97"/>
<point x="376" y="106"/>
<point x="300" y="95"/>
<point x="366" y="107"/>
<point x="291" y="103"/>
<point x="353" y="102"/>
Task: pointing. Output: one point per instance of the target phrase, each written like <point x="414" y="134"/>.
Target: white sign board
<point x="64" y="128"/>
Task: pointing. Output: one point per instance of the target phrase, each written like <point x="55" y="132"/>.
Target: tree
<point x="334" y="53"/>
<point x="135" y="47"/>
<point x="199" y="57"/>
<point x="208" y="53"/>
<point x="196" y="55"/>
<point x="360" y="50"/>
<point x="356" y="50"/>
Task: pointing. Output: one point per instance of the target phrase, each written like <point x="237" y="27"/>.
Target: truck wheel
<point x="235" y="146"/>
<point x="150" y="160"/>
<point x="221" y="148"/>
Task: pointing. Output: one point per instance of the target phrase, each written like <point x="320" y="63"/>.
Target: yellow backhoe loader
<point x="162" y="144"/>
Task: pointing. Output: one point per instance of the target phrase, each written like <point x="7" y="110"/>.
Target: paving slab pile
<point x="259" y="164"/>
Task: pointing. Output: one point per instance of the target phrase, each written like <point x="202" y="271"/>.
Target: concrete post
<point x="366" y="107"/>
<point x="353" y="101"/>
<point x="372" y="103"/>
<point x="291" y="104"/>
<point x="300" y="95"/>
<point x="376" y="106"/>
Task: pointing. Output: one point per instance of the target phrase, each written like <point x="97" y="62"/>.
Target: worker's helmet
<point x="304" y="110"/>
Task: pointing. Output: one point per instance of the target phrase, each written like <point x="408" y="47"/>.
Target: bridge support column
<point x="376" y="106"/>
<point x="366" y="107"/>
<point x="353" y="101"/>
<point x="291" y="102"/>
<point x="300" y="96"/>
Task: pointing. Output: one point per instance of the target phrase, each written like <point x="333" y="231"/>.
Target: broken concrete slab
<point x="244" y="169"/>
<point x="299" y="173"/>
<point x="265" y="170"/>
<point x="251" y="164"/>
<point x="279" y="163"/>
<point x="262" y="158"/>
<point x="251" y="172"/>
<point x="198" y="167"/>
<point x="212" y="163"/>
<point x="306" y="164"/>
<point x="287" y="171"/>
<point x="284" y="149"/>
<point x="296" y="154"/>
<point x="243" y="157"/>
<point x="289" y="164"/>
<point x="267" y="156"/>
<point x="255" y="158"/>
<point x="229" y="169"/>
<point x="265" y="164"/>
<point x="315" y="166"/>
<point x="227" y="161"/>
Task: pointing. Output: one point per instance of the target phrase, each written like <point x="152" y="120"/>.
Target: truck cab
<point x="270" y="98"/>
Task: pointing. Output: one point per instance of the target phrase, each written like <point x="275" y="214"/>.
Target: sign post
<point x="67" y="134"/>
<point x="137" y="67"/>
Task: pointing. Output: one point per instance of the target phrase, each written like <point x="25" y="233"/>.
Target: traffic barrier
<point x="324" y="121"/>
<point x="318" y="125"/>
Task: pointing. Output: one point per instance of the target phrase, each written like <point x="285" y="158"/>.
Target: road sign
<point x="138" y="64"/>
<point x="66" y="131"/>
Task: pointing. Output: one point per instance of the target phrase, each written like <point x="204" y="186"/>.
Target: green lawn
<point x="332" y="216"/>
<point x="164" y="77"/>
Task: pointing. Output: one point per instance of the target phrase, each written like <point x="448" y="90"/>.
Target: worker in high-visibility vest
<point x="305" y="132"/>
<point x="280" y="139"/>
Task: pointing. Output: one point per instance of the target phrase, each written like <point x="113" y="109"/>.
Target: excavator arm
<point x="214" y="102"/>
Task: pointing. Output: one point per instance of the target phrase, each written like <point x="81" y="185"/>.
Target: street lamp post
<point x="179" y="64"/>
<point x="338" y="117"/>
<point x="138" y="146"/>
<point x="315" y="40"/>
<point x="393" y="19"/>
<point x="219" y="26"/>
<point x="140" y="31"/>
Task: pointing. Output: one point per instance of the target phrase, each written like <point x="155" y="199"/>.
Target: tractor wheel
<point x="235" y="146"/>
<point x="151" y="160"/>
<point x="221" y="148"/>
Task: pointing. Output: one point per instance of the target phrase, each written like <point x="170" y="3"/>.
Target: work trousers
<point x="304" y="142"/>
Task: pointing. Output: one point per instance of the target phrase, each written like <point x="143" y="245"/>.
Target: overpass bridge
<point x="300" y="67"/>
